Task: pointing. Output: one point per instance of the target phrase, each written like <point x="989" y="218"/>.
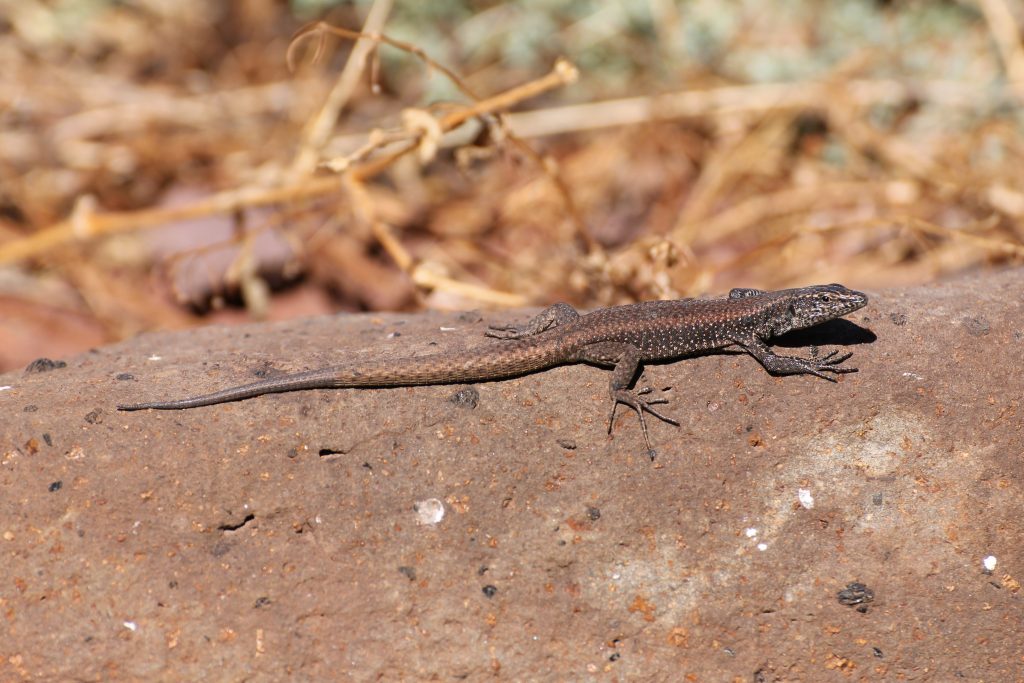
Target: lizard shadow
<point x="832" y="333"/>
<point x="839" y="332"/>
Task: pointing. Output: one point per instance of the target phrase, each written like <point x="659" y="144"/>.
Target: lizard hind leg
<point x="626" y="359"/>
<point x="634" y="398"/>
<point x="552" y="316"/>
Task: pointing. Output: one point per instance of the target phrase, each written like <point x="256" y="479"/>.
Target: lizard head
<point x="809" y="306"/>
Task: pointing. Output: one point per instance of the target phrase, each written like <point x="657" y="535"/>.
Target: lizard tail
<point x="480" y="364"/>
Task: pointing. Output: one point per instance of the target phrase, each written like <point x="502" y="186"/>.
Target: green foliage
<point x="627" y="46"/>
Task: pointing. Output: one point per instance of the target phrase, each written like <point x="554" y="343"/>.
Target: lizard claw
<point x="552" y="316"/>
<point x="828" y="363"/>
<point x="650" y="401"/>
<point x="634" y="399"/>
<point x="503" y="332"/>
<point x="830" y="360"/>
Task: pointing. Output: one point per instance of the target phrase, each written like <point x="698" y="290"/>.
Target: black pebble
<point x="44" y="365"/>
<point x="467" y="396"/>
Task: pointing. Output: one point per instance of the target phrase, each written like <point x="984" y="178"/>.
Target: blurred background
<point x="172" y="163"/>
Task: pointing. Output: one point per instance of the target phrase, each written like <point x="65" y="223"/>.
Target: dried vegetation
<point x="165" y="163"/>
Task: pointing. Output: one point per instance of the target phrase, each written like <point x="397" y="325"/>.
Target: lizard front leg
<point x="626" y="359"/>
<point x="552" y="316"/>
<point x="793" y="365"/>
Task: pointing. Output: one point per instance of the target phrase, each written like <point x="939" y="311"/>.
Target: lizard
<point x="620" y="337"/>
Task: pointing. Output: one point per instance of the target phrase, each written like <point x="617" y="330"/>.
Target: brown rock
<point x="398" y="535"/>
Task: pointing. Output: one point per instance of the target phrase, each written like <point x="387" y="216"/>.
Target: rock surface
<point x="497" y="530"/>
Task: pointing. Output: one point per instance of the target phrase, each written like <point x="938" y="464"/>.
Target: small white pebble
<point x="989" y="563"/>
<point x="5" y="388"/>
<point x="448" y="329"/>
<point x="130" y="625"/>
<point x="751" y="532"/>
<point x="155" y="357"/>
<point x="805" y="498"/>
<point x="762" y="547"/>
<point x="429" y="511"/>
